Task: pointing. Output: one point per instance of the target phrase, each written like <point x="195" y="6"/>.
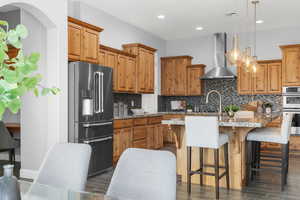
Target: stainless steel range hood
<point x="220" y="70"/>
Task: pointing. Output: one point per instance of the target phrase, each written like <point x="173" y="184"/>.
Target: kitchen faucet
<point x="220" y="102"/>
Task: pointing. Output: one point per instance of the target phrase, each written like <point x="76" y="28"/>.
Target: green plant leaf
<point x="22" y="31"/>
<point x="3" y="23"/>
<point x="45" y="91"/>
<point x="55" y="90"/>
<point x="36" y="92"/>
<point x="14" y="105"/>
<point x="34" y="58"/>
<point x="2" y="109"/>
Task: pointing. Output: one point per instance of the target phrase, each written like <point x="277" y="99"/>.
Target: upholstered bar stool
<point x="260" y="161"/>
<point x="203" y="132"/>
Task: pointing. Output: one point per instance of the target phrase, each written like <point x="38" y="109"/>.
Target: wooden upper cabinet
<point x="244" y="80"/>
<point x="101" y="57"/>
<point x="260" y="79"/>
<point x="131" y="75"/>
<point x="266" y="80"/>
<point x="74" y="40"/>
<point x="174" y="75"/>
<point x="275" y="77"/>
<point x="144" y="66"/>
<point x="291" y="65"/>
<point x="121" y="73"/>
<point x="124" y="68"/>
<point x="195" y="85"/>
<point x="83" y="41"/>
<point x="167" y="77"/>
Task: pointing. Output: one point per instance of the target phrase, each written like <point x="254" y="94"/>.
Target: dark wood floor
<point x="270" y="190"/>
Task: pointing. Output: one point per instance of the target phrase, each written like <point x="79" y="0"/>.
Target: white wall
<point x="201" y="48"/>
<point x="36" y="138"/>
<point x="117" y="32"/>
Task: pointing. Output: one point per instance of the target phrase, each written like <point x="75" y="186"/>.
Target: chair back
<point x="286" y="124"/>
<point x="202" y="131"/>
<point x="66" y="166"/>
<point x="144" y="175"/>
<point x="6" y="140"/>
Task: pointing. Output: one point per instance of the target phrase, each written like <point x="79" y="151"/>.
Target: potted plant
<point x="17" y="77"/>
<point x="231" y="110"/>
<point x="189" y="108"/>
<point x="268" y="107"/>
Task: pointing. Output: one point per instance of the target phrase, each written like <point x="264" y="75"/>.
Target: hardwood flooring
<point x="267" y="187"/>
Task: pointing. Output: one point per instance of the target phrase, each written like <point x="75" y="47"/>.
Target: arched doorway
<point x="44" y="120"/>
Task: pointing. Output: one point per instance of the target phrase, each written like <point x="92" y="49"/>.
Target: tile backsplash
<point x="228" y="89"/>
<point x="127" y="98"/>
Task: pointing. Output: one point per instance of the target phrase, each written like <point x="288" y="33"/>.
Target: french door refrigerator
<point x="91" y="112"/>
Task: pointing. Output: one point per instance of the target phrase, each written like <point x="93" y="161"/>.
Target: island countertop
<point x="258" y="121"/>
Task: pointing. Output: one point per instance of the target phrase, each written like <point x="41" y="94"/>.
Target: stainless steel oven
<point x="291" y="98"/>
<point x="291" y="103"/>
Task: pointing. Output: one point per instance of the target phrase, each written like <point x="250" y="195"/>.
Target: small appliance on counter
<point x="178" y="105"/>
<point x="91" y="112"/>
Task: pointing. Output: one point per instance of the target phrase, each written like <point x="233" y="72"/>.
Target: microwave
<point x="291" y="97"/>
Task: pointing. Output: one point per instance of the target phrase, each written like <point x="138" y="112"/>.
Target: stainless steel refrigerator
<point x="91" y="112"/>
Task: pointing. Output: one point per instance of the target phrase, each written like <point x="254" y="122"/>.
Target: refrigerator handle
<point x="97" y="88"/>
<point x="102" y="77"/>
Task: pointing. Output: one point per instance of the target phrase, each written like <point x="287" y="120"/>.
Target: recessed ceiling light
<point x="260" y="21"/>
<point x="199" y="28"/>
<point x="160" y="16"/>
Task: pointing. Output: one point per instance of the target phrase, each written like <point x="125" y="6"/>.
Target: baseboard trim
<point x="28" y="174"/>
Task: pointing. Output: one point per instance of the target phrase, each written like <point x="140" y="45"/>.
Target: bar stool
<point x="203" y="132"/>
<point x="269" y="135"/>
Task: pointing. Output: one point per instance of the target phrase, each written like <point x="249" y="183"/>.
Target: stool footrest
<point x="270" y="160"/>
<point x="270" y="156"/>
<point x="212" y="166"/>
<point x="267" y="169"/>
<point x="221" y="176"/>
<point x="202" y="173"/>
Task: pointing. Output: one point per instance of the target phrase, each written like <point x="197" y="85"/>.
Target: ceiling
<point x="183" y="16"/>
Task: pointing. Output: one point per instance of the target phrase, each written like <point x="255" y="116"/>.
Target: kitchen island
<point x="237" y="130"/>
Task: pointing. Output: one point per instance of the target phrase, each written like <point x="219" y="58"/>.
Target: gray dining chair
<point x="144" y="175"/>
<point x="66" y="166"/>
<point x="7" y="143"/>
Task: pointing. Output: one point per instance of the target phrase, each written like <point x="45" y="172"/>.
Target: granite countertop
<point x="259" y="120"/>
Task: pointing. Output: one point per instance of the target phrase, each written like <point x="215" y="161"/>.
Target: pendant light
<point x="254" y="63"/>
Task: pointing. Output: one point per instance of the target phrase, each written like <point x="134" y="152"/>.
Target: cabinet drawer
<point x="123" y="123"/>
<point x="275" y="123"/>
<point x="139" y="133"/>
<point x="140" y="121"/>
<point x="171" y="116"/>
<point x="140" y="144"/>
<point x="154" y="120"/>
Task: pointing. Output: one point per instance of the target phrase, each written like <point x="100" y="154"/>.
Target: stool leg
<point x="189" y="163"/>
<point x="283" y="165"/>
<point x="216" y="157"/>
<point x="249" y="162"/>
<point x="226" y="165"/>
<point x="288" y="157"/>
<point x="201" y="165"/>
<point x="11" y="156"/>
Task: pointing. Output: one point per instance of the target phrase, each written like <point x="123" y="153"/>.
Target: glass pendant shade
<point x="247" y="59"/>
<point x="234" y="55"/>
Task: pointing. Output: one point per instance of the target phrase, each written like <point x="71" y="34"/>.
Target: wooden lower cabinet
<point x="146" y="133"/>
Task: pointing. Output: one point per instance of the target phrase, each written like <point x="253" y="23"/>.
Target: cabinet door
<point x="158" y="136"/>
<point x="101" y="57"/>
<point x="244" y="81"/>
<point x="74" y="41"/>
<point x="260" y="79"/>
<point x="141" y="70"/>
<point x="150" y="73"/>
<point x="116" y="144"/>
<point x="290" y="68"/>
<point x="126" y="139"/>
<point x="111" y="60"/>
<point x="139" y="137"/>
<point x="167" y="135"/>
<point x="274" y="78"/>
<point x="121" y="73"/>
<point x="167" y="77"/>
<point x="180" y="77"/>
<point x="150" y="136"/>
<point x="195" y="85"/>
<point x="131" y="75"/>
<point x="90" y="46"/>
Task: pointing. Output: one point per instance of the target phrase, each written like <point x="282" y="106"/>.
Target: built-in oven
<point x="291" y="103"/>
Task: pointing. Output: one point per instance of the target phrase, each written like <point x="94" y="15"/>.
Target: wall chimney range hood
<point x="220" y="70"/>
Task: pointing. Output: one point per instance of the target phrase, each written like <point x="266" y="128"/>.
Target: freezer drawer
<point x="102" y="154"/>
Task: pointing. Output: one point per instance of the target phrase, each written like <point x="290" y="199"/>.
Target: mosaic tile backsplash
<point x="228" y="89"/>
